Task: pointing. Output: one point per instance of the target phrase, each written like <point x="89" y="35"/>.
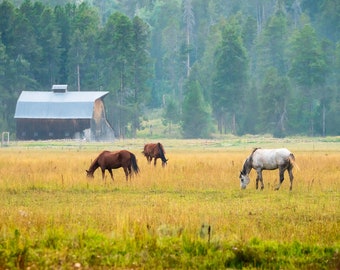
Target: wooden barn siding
<point x="44" y="129"/>
<point x="98" y="111"/>
<point x="98" y="118"/>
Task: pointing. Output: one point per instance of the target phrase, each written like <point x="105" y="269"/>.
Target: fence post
<point x="5" y="139"/>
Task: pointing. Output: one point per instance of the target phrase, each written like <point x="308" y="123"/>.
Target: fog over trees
<point x="211" y="66"/>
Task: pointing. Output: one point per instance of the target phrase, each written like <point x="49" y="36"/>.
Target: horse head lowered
<point x="268" y="159"/>
<point x="155" y="151"/>
<point x="107" y="160"/>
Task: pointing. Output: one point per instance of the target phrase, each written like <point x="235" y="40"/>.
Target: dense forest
<point x="210" y="66"/>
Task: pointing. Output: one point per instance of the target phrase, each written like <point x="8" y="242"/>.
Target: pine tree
<point x="230" y="77"/>
<point x="196" y="120"/>
<point x="273" y="99"/>
<point x="117" y="52"/>
<point x="308" y="70"/>
<point x="141" y="70"/>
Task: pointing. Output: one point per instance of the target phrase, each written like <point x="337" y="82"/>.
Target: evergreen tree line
<point x="215" y="66"/>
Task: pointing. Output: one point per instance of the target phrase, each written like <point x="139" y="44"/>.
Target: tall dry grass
<point x="44" y="188"/>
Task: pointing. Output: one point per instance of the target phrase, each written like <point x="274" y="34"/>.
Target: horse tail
<point x="292" y="161"/>
<point x="161" y="152"/>
<point x="134" y="163"/>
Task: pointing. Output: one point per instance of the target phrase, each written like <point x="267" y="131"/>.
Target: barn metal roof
<point x="53" y="105"/>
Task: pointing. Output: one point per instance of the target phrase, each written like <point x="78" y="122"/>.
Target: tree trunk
<point x="189" y="20"/>
<point x="323" y="120"/>
<point x="233" y="131"/>
<point x="78" y="77"/>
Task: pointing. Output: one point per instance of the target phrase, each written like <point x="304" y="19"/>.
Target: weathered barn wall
<point x="44" y="129"/>
<point x="60" y="114"/>
<point x="101" y="129"/>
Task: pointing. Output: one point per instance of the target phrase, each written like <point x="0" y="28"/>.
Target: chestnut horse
<point x="113" y="160"/>
<point x="268" y="159"/>
<point x="155" y="150"/>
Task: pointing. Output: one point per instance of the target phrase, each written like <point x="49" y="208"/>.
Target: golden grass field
<point x="44" y="188"/>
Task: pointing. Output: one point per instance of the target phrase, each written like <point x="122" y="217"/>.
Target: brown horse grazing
<point x="155" y="150"/>
<point x="113" y="160"/>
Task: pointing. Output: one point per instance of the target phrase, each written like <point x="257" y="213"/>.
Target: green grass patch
<point x="143" y="250"/>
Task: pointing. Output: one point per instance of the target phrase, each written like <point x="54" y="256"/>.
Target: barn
<point x="62" y="114"/>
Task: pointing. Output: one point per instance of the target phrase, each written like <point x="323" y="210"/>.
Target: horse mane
<point x="161" y="152"/>
<point x="248" y="162"/>
<point x="250" y="158"/>
<point x="94" y="165"/>
<point x="254" y="151"/>
<point x="160" y="146"/>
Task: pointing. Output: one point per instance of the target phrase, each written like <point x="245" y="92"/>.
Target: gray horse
<point x="268" y="159"/>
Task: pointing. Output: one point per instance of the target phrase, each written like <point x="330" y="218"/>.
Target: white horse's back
<point x="270" y="159"/>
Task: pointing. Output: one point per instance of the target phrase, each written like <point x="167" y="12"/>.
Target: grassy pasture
<point x="53" y="217"/>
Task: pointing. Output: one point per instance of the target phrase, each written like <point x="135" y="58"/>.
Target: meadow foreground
<point x="189" y="214"/>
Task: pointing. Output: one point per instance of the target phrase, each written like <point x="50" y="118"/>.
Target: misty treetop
<point x="236" y="66"/>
